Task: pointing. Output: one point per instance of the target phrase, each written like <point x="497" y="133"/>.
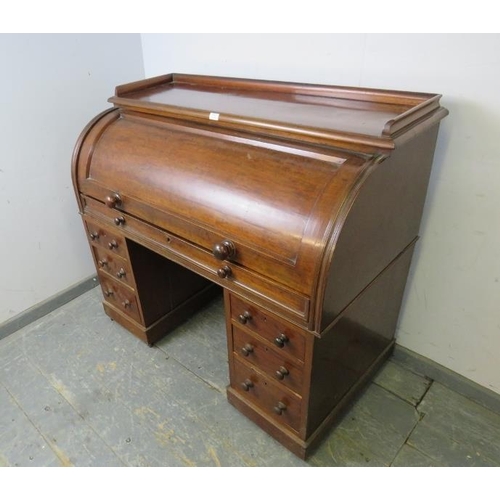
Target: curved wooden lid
<point x="275" y="202"/>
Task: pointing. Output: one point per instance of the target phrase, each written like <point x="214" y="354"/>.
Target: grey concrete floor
<point x="76" y="389"/>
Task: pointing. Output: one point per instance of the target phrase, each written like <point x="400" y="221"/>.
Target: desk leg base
<point x="284" y="436"/>
<point x="157" y="330"/>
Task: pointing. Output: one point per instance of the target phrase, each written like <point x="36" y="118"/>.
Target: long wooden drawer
<point x="294" y="305"/>
<point x="279" y="403"/>
<point x="266" y="359"/>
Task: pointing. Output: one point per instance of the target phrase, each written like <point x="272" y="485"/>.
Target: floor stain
<point x="61" y="456"/>
<point x="213" y="456"/>
<point x="106" y="367"/>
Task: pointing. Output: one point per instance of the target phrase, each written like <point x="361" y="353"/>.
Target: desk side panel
<point x="383" y="220"/>
<point x="360" y="340"/>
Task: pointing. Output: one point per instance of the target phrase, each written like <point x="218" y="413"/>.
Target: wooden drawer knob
<point x="247" y="349"/>
<point x="281" y="340"/>
<point x="282" y="372"/>
<point x="244" y="318"/>
<point x="247" y="385"/>
<point x="113" y="200"/>
<point x="224" y="272"/>
<point x="224" y="250"/>
<point x="280" y="408"/>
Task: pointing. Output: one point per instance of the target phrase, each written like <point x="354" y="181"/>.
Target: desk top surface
<point x="306" y="111"/>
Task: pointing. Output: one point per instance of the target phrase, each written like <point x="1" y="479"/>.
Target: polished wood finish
<point x="113" y="265"/>
<point x="269" y="360"/>
<point x="302" y="202"/>
<point x="363" y="119"/>
<point x="267" y="395"/>
<point x="271" y="328"/>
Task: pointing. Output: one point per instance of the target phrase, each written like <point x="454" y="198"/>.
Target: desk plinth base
<point x="157" y="330"/>
<point x="287" y="438"/>
<point x="292" y="441"/>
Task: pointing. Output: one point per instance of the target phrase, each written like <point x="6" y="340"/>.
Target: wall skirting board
<point x="434" y="371"/>
<point x="47" y="306"/>
<point x="409" y="359"/>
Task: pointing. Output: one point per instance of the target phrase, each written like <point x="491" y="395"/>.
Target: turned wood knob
<point x="113" y="244"/>
<point x="119" y="221"/>
<point x="247" y="385"/>
<point x="224" y="250"/>
<point x="224" y="272"/>
<point x="282" y="372"/>
<point x="121" y="273"/>
<point x="280" y="408"/>
<point x="243" y="318"/>
<point x="94" y="235"/>
<point x="247" y="349"/>
<point x="113" y="200"/>
<point x="281" y="340"/>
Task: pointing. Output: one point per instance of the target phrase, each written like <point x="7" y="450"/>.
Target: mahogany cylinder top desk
<point x="302" y="202"/>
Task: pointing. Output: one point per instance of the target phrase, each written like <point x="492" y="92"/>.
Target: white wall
<point x="50" y="87"/>
<point x="451" y="312"/>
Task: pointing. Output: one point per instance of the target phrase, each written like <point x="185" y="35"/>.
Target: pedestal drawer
<point x="280" y="404"/>
<point x="120" y="296"/>
<point x="267" y="359"/>
<point x="113" y="265"/>
<point x="105" y="238"/>
<point x="278" y="332"/>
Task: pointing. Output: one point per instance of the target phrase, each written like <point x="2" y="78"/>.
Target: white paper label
<point x="213" y="116"/>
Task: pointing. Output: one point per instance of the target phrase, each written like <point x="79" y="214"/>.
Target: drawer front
<point x="278" y="403"/>
<point x="192" y="256"/>
<point x="265" y="358"/>
<point x="279" y="333"/>
<point x="120" y="297"/>
<point x="103" y="237"/>
<point x="113" y="265"/>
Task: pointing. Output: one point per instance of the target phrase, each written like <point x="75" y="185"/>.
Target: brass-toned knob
<point x="120" y="221"/>
<point x="121" y="273"/>
<point x="282" y="372"/>
<point x="113" y="244"/>
<point x="224" y="272"/>
<point x="113" y="200"/>
<point x="281" y="340"/>
<point x="126" y="303"/>
<point x="244" y="318"/>
<point x="108" y="293"/>
<point x="247" y="349"/>
<point x="280" y="408"/>
<point x="94" y="235"/>
<point x="247" y="385"/>
<point x="102" y="263"/>
<point x="224" y="250"/>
